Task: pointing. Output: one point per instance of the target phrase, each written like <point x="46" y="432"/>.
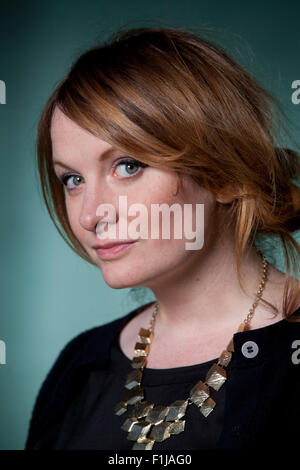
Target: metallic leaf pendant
<point x="199" y="393"/>
<point x="149" y="423"/>
<point x="143" y="444"/>
<point x="215" y="377"/>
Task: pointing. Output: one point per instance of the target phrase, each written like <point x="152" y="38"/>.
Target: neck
<point x="208" y="294"/>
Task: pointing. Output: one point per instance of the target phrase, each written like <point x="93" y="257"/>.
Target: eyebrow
<point x="57" y="162"/>
<point x="105" y="154"/>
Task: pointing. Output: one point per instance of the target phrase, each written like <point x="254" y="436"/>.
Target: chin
<point x="117" y="278"/>
<point x="117" y="283"/>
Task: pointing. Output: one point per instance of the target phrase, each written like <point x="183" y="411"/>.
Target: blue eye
<point x="131" y="166"/>
<point x="67" y="177"/>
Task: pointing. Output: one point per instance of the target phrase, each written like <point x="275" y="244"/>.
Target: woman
<point x="162" y="116"/>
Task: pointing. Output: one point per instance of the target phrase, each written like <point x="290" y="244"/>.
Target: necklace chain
<point x="148" y="422"/>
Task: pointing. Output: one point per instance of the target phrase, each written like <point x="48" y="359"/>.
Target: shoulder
<point x="80" y="349"/>
<point x="83" y="344"/>
<point x="277" y="343"/>
<point x="91" y="347"/>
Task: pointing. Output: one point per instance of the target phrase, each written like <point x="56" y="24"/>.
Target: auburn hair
<point x="174" y="100"/>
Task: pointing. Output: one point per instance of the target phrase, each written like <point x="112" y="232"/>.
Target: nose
<point x="92" y="209"/>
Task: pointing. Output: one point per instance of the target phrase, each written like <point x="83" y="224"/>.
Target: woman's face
<point x="95" y="174"/>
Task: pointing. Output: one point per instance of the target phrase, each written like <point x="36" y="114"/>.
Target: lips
<point x="113" y="250"/>
<point x="104" y="246"/>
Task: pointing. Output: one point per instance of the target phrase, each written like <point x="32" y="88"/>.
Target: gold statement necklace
<point x="149" y="422"/>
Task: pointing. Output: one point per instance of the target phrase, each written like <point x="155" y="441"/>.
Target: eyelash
<point x="64" y="178"/>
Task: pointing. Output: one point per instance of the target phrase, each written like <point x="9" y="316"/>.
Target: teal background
<point x="48" y="294"/>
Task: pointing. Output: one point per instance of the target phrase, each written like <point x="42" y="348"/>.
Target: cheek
<point x="73" y="217"/>
<point x="144" y="213"/>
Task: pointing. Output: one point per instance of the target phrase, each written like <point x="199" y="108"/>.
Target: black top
<point x="257" y="407"/>
<point x="90" y="422"/>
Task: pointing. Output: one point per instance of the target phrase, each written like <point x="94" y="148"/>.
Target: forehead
<point x="62" y="125"/>
<point x="66" y="133"/>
